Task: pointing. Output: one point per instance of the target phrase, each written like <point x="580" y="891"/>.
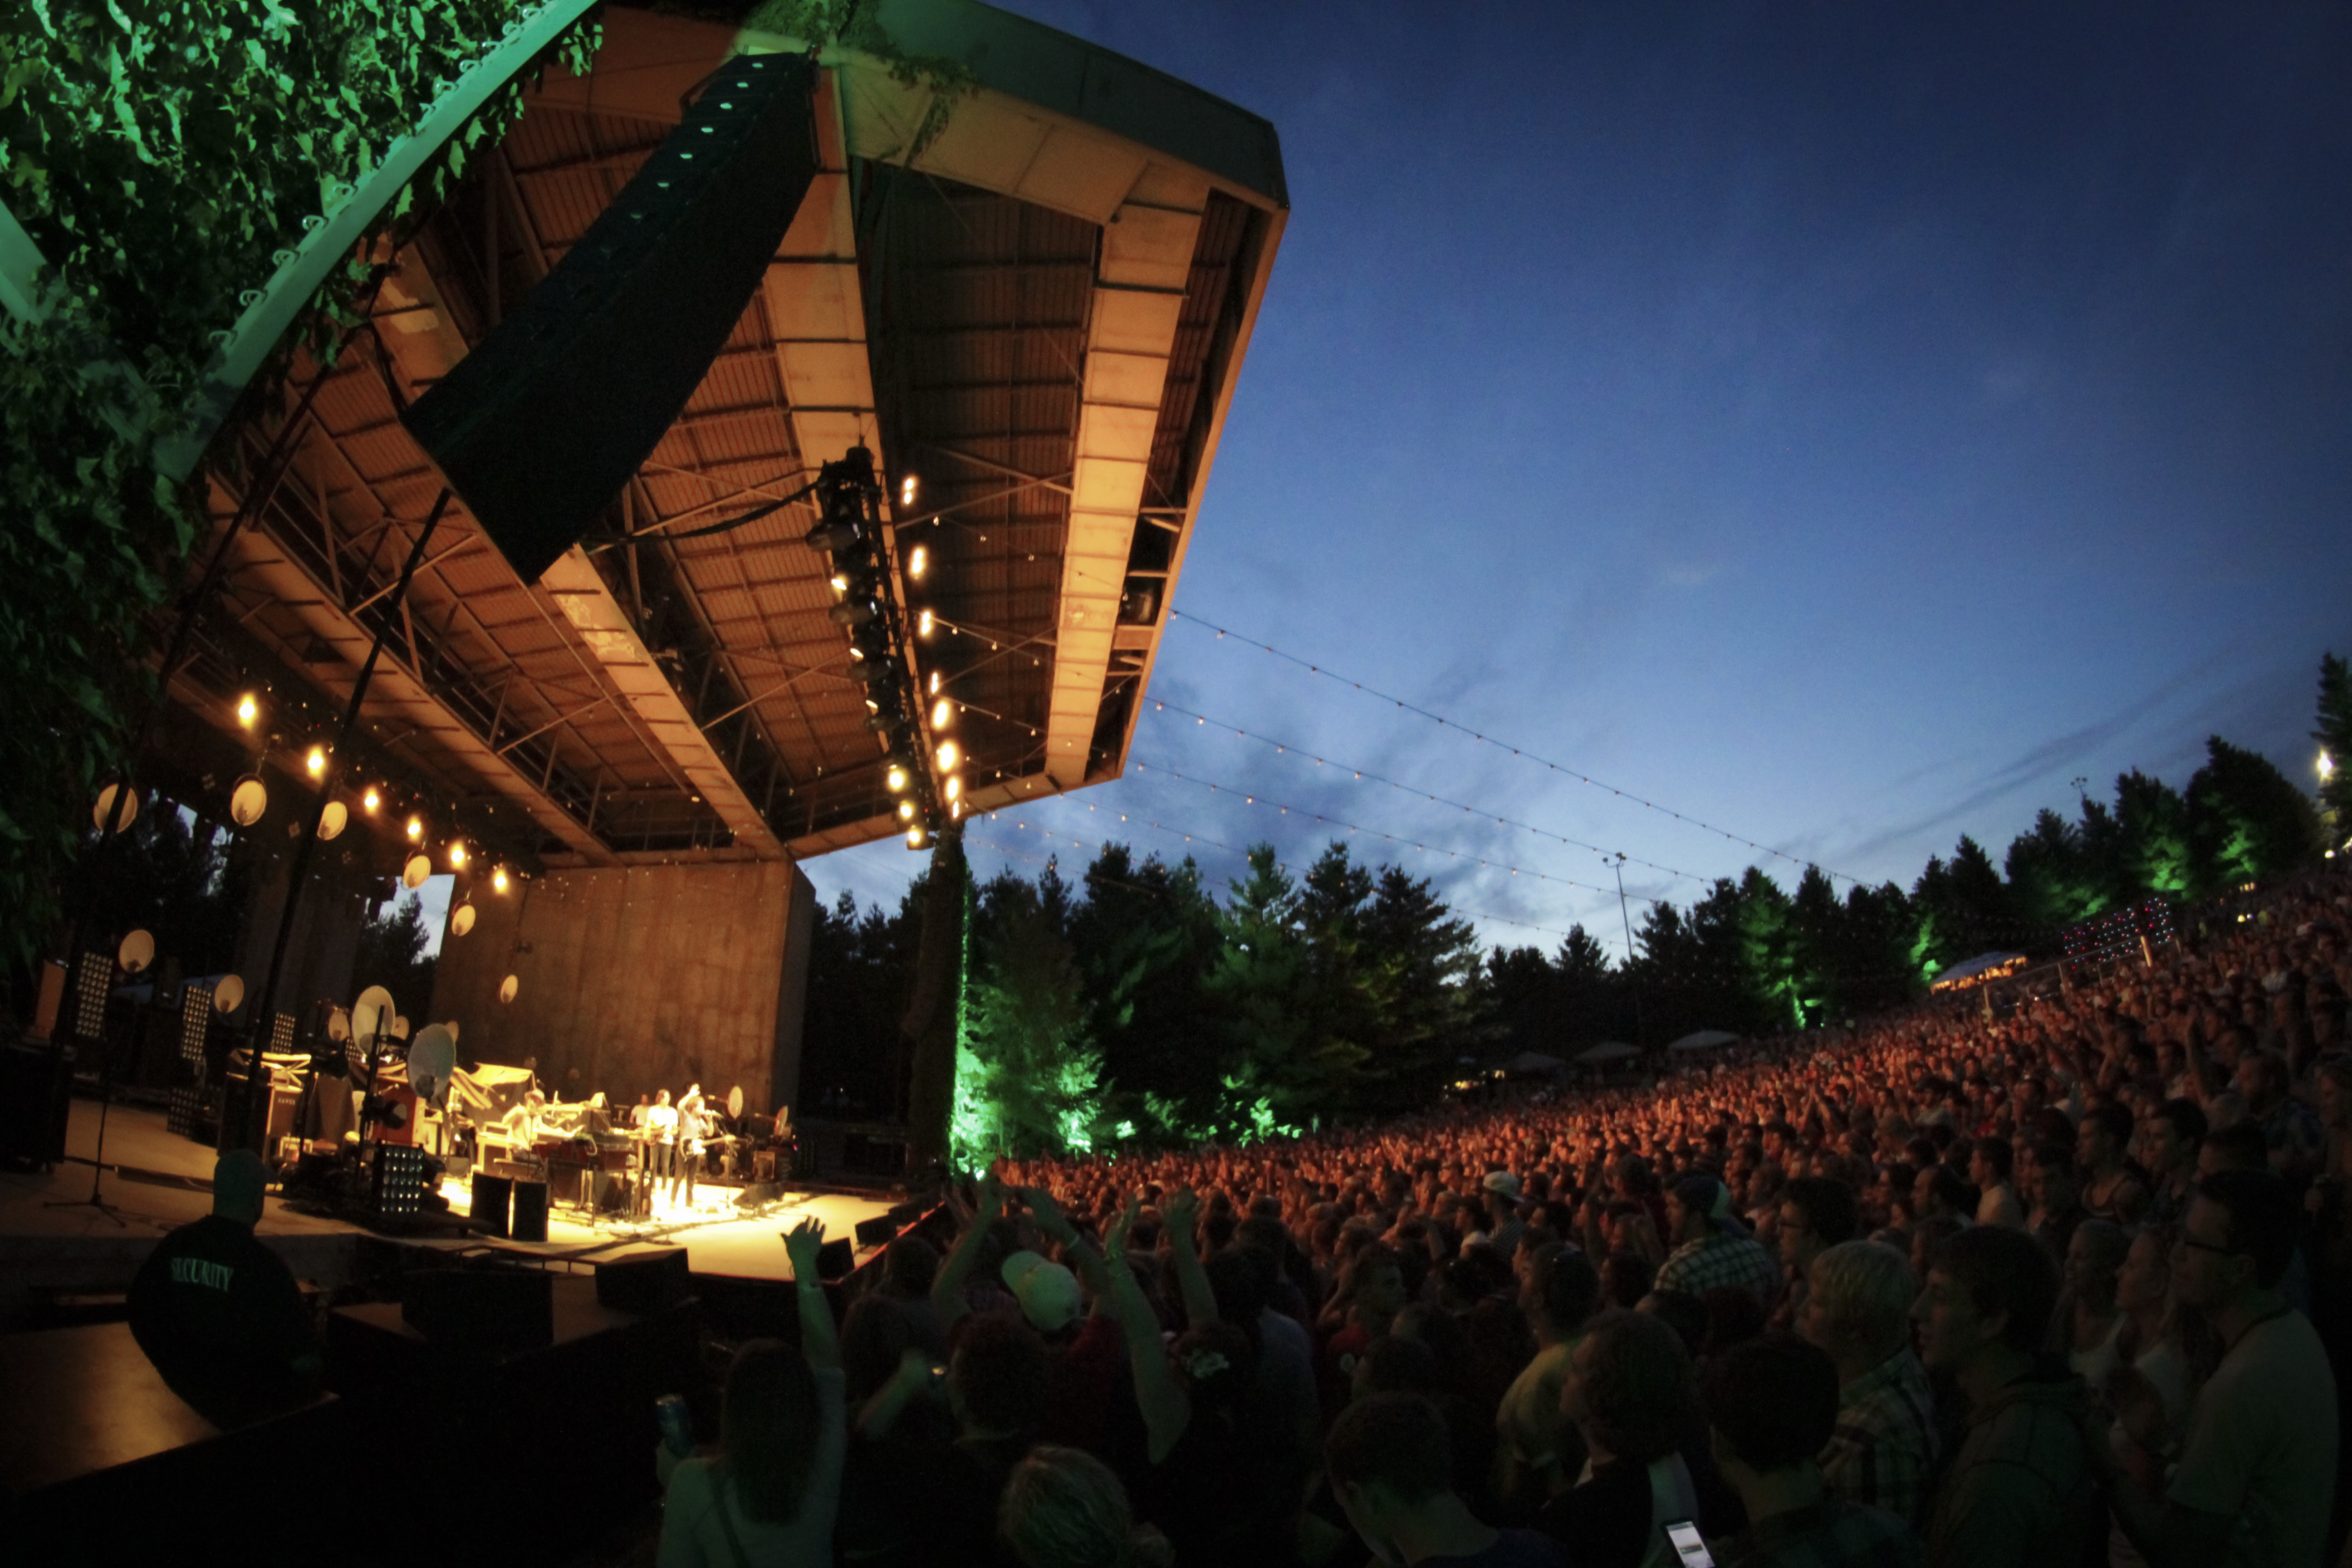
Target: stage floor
<point x="156" y="1180"/>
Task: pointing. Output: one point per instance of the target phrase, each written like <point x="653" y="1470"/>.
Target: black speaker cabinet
<point x="483" y="1311"/>
<point x="539" y="427"/>
<point x="529" y="1211"/>
<point x="651" y="1283"/>
<point x="834" y="1259"/>
<point x="492" y="1194"/>
<point x="878" y="1231"/>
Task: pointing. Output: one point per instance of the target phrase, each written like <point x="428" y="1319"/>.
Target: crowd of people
<point x="2064" y="1287"/>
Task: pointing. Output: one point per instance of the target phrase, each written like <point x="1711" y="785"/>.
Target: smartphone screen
<point x="1689" y="1550"/>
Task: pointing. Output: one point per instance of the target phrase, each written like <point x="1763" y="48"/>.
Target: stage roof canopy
<point x="1037" y="318"/>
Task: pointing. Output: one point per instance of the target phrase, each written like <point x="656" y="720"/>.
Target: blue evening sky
<point x="1843" y="424"/>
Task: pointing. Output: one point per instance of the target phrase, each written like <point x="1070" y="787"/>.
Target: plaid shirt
<point x="1884" y="1443"/>
<point x="1830" y="1533"/>
<point x="1716" y="1260"/>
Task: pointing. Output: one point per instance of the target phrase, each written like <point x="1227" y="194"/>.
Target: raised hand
<point x="1049" y="1214"/>
<point x="801" y="1243"/>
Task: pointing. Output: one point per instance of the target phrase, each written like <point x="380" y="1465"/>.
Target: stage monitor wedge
<point x="539" y="427"/>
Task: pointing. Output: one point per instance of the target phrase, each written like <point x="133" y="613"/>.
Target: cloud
<point x="2037" y="763"/>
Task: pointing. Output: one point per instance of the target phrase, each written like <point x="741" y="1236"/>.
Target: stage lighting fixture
<point x="955" y="810"/>
<point x="949" y="753"/>
<point x="896" y="778"/>
<point x="840" y="584"/>
<point x="935" y="683"/>
<point x="370" y="801"/>
<point x="247" y="710"/>
<point x="919" y="560"/>
<point x="906" y="490"/>
<point x="316" y="762"/>
<point x="833" y="538"/>
<point x="906" y="811"/>
<point x="415" y="827"/>
<point x="954" y="785"/>
<point x="456" y="854"/>
<point x="914" y="836"/>
<point x="923" y="624"/>
<point x="499" y="881"/>
<point x="851" y="613"/>
<point x="942" y="713"/>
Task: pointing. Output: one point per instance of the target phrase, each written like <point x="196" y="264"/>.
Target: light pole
<point x="1617" y="864"/>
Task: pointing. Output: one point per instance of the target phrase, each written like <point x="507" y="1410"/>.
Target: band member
<point x="661" y="1141"/>
<point x="692" y="1127"/>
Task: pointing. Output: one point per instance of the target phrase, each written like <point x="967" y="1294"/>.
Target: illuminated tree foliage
<point x="1140" y="1005"/>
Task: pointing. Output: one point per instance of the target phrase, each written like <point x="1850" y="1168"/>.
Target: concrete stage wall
<point x="637" y="979"/>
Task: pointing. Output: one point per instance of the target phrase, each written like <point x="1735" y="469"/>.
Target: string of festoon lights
<point x="1402" y="840"/>
<point x="1480" y="736"/>
<point x="1048" y="834"/>
<point x="1316" y="669"/>
<point x="1248" y="798"/>
<point x="290" y="736"/>
<point x="1284" y="748"/>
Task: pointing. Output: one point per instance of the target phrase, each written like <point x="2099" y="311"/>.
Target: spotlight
<point x="955" y="785"/>
<point x="948" y="756"/>
<point x="896" y="778"/>
<point x="935" y="681"/>
<point x="942" y="713"/>
<point x="914" y="836"/>
<point x="317" y="760"/>
<point x="906" y="490"/>
<point x="370" y="801"/>
<point x="955" y="810"/>
<point x="247" y="710"/>
<point x="456" y="854"/>
<point x="840" y="584"/>
<point x="832" y="537"/>
<point x="415" y="827"/>
<point x="499" y="881"/>
<point x="923" y="623"/>
<point x="851" y="613"/>
<point x="918" y="559"/>
<point x="906" y="811"/>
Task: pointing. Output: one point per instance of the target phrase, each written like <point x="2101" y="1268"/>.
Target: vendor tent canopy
<point x="1608" y="1051"/>
<point x="1983" y="964"/>
<point x="1704" y="1040"/>
<point x="1533" y="1061"/>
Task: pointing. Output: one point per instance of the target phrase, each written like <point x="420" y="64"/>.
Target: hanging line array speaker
<point x="539" y="426"/>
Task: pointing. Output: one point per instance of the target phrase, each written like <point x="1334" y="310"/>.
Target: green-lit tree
<point x="2335" y="737"/>
<point x="1039" y="1080"/>
<point x="2245" y="819"/>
